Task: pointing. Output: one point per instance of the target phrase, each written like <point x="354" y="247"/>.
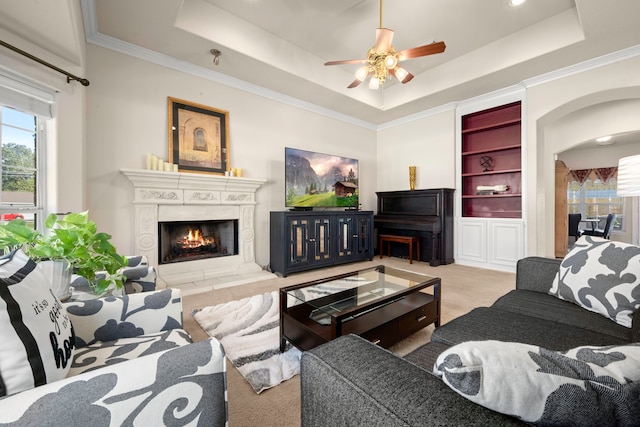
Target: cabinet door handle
<point x="312" y="240"/>
<point x="354" y="236"/>
<point x="375" y="342"/>
<point x="421" y="318"/>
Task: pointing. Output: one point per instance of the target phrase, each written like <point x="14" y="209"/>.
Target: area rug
<point x="248" y="330"/>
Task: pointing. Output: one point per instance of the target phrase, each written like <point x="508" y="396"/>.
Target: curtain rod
<point x="70" y="77"/>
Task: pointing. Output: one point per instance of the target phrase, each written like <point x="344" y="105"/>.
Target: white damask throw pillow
<point x="583" y="386"/>
<point x="602" y="276"/>
<point x="36" y="336"/>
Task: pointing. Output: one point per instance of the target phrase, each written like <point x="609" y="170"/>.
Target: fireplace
<point x="219" y="211"/>
<point x="180" y="241"/>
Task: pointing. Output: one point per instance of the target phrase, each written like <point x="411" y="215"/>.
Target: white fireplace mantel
<point x="149" y="179"/>
<point x="178" y="196"/>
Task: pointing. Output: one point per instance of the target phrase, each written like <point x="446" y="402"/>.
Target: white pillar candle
<point x="154" y="163"/>
<point x="148" y="160"/>
<point x="238" y="171"/>
<point x="167" y="167"/>
<point x="175" y="168"/>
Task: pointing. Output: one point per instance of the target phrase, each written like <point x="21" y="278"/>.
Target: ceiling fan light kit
<point x="391" y="61"/>
<point x="515" y="3"/>
<point x="401" y="74"/>
<point x="382" y="59"/>
<point x="362" y="73"/>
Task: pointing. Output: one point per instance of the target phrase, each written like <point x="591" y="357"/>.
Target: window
<point x="25" y="107"/>
<point x="596" y="199"/>
<point x="20" y="137"/>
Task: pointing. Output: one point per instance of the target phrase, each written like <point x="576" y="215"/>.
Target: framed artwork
<point x="198" y="137"/>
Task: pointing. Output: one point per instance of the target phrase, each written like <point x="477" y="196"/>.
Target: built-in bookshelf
<point x="492" y="163"/>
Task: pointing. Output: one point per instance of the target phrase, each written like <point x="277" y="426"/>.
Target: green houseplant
<point x="74" y="239"/>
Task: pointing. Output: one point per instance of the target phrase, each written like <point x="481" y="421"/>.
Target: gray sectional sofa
<point x="351" y="382"/>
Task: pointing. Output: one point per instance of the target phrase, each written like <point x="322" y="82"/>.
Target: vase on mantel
<point x="412" y="177"/>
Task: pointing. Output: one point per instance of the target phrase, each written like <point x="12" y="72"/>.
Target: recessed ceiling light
<point x="516" y="2"/>
<point x="604" y="140"/>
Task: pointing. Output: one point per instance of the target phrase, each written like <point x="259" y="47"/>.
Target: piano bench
<point x="409" y="240"/>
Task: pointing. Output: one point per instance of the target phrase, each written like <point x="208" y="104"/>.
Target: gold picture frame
<point x="198" y="137"/>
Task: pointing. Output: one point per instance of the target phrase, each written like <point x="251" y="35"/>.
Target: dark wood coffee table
<point x="381" y="304"/>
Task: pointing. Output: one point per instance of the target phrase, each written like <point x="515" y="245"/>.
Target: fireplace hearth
<point x="181" y="241"/>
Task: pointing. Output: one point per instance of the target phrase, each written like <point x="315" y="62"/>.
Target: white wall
<point x="126" y="118"/>
<point x="587" y="157"/>
<point x="65" y="133"/>
<point x="427" y="143"/>
<point x="559" y="114"/>
<point x="564" y="113"/>
<point x="66" y="150"/>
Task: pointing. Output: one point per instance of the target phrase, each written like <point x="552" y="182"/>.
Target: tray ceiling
<point x="281" y="45"/>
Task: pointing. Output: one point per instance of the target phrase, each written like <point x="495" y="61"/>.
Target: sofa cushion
<point x="491" y="323"/>
<point x="602" y="276"/>
<point x="425" y="356"/>
<point x="110" y="318"/>
<point x="185" y="386"/>
<point x="545" y="306"/>
<point x="351" y="382"/>
<point x="100" y="354"/>
<point x="584" y="386"/>
<point x="536" y="273"/>
<point x="36" y="335"/>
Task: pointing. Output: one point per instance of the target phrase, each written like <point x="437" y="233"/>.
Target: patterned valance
<point x="603" y="174"/>
<point x="580" y="175"/>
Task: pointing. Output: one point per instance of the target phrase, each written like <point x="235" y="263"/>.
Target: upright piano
<point x="427" y="214"/>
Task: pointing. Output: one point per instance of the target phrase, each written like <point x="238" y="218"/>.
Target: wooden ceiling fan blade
<point x="415" y="52"/>
<point x="384" y="37"/>
<point x="346" y="61"/>
<point x="382" y="57"/>
<point x="354" y="83"/>
<point x="408" y="78"/>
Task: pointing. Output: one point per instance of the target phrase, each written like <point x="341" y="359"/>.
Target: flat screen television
<point x="319" y="180"/>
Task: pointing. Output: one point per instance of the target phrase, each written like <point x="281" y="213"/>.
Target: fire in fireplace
<point x="191" y="240"/>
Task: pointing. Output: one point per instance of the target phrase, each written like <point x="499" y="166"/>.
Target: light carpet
<point x="248" y="330"/>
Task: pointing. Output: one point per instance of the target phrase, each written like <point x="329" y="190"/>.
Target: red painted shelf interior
<point x="494" y="133"/>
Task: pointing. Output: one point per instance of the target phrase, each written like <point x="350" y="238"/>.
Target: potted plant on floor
<point x="73" y="239"/>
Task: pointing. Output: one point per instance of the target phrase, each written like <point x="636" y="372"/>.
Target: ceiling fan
<point x="382" y="59"/>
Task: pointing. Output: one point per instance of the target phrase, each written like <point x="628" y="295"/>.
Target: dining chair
<point x="604" y="232"/>
<point x="574" y="222"/>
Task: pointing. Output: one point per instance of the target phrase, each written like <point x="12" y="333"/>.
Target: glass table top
<point x="335" y="295"/>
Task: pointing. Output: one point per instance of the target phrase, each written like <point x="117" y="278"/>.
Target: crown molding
<point x="590" y="64"/>
<point x="492" y="99"/>
<point x="135" y="51"/>
<point x="417" y="116"/>
<point x="94" y="37"/>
